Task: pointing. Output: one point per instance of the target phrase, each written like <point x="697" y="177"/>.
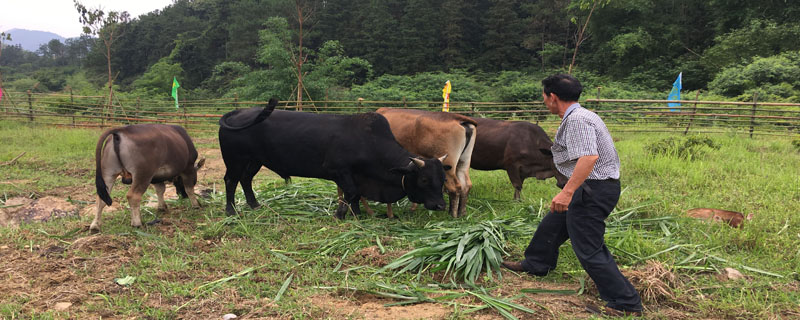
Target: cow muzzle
<point x="435" y="206"/>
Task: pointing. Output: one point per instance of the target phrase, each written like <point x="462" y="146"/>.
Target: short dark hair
<point x="565" y="86"/>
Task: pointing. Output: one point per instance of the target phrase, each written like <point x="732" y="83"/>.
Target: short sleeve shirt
<point x="583" y="133"/>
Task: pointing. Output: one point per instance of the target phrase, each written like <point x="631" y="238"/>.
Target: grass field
<point x="292" y="259"/>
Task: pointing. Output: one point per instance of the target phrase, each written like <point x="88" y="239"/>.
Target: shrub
<point x="689" y="148"/>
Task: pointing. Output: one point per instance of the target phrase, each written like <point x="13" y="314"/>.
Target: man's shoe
<point x="513" y="265"/>
<point x="611" y="312"/>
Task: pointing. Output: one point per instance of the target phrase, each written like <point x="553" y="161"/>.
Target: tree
<point x="106" y="26"/>
<point x="6" y="37"/>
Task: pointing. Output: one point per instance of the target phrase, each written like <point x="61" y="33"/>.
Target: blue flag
<point x="675" y="93"/>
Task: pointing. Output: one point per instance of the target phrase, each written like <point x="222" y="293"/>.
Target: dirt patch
<point x="364" y="306"/>
<point x="63" y="277"/>
<point x="24" y="210"/>
<point x="372" y="256"/>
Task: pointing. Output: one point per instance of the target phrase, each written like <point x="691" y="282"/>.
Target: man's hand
<point x="583" y="167"/>
<point x="561" y="202"/>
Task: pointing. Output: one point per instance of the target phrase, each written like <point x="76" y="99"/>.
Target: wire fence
<point x="753" y="118"/>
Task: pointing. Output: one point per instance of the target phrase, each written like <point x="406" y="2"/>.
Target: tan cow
<point x="144" y="154"/>
<point x="435" y="135"/>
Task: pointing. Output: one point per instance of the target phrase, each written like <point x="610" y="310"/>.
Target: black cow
<point x="358" y="152"/>
<point x="519" y="147"/>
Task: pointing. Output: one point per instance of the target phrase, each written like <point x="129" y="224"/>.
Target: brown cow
<point x="519" y="147"/>
<point x="732" y="218"/>
<point x="435" y="135"/>
<point x="144" y="154"/>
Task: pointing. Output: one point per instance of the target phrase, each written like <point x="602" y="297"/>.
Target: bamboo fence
<point x="752" y="118"/>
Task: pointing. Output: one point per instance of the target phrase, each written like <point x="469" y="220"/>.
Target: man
<point x="584" y="152"/>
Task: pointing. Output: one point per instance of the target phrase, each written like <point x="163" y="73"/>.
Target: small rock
<point x="229" y="316"/>
<point x="730" y="274"/>
<point x="61" y="306"/>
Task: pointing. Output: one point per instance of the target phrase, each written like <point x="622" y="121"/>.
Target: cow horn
<point x="418" y="162"/>
<point x="441" y="159"/>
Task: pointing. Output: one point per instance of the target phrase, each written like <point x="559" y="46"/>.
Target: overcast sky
<point x="60" y="16"/>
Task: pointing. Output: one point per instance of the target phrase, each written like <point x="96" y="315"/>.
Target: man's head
<point x="560" y="89"/>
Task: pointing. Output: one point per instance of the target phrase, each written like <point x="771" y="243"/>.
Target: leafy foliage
<point x="775" y="78"/>
<point x="464" y="252"/>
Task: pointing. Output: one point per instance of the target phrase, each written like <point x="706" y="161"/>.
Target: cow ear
<point x="546" y="152"/>
<point x="200" y="163"/>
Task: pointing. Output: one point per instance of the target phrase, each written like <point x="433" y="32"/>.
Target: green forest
<point x="491" y="50"/>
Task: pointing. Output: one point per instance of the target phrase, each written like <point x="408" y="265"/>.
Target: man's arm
<point x="582" y="170"/>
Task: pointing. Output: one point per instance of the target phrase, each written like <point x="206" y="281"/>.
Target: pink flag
<point x="1" y="94"/>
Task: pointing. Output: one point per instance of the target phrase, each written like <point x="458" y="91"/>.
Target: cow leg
<point x="351" y="196"/>
<point x="98" y="214"/>
<point x="369" y="210"/>
<point x="516" y="181"/>
<point x="453" y="188"/>
<point x="389" y="213"/>
<point x="250" y="171"/>
<point x="138" y="187"/>
<point x="232" y="176"/>
<point x="160" y="188"/>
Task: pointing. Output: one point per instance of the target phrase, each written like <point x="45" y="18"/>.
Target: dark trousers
<point x="584" y="223"/>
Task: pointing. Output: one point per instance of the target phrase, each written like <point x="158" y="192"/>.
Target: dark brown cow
<point x="519" y="147"/>
<point x="436" y="135"/>
<point x="144" y="154"/>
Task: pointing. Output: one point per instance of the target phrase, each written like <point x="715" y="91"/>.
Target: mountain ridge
<point x="30" y="40"/>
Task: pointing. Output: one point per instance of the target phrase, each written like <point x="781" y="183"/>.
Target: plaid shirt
<point x="583" y="133"/>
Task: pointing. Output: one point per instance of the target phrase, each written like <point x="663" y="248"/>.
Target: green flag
<point x="175" y="87"/>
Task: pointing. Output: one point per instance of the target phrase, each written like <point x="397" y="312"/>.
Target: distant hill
<point x="30" y="39"/>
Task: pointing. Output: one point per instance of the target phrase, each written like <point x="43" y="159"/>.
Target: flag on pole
<point x="446" y="96"/>
<point x="1" y="94"/>
<point x="175" y="87"/>
<point x="675" y="94"/>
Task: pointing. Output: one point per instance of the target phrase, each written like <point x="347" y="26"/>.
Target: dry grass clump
<point x="654" y="281"/>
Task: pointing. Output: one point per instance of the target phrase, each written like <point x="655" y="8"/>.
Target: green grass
<point x="294" y="248"/>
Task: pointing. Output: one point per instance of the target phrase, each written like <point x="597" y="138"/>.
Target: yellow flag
<point x="446" y="96"/>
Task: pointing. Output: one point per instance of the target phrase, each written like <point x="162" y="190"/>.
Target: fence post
<point x="30" y="106"/>
<point x="753" y="116"/>
<point x="138" y="106"/>
<point x="359" y="104"/>
<point x="405" y="105"/>
<point x="72" y="105"/>
<point x="185" y="120"/>
<point x="326" y="99"/>
<point x="472" y="108"/>
<point x="694" y="110"/>
<point x="235" y="100"/>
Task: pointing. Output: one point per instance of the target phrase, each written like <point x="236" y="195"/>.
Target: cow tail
<point x="102" y="189"/>
<point x="469" y="127"/>
<point x="267" y="110"/>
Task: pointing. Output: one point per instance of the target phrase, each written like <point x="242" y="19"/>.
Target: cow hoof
<point x="93" y="230"/>
<point x="254" y="206"/>
<point x="164" y="210"/>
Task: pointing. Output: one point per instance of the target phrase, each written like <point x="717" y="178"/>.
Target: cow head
<point x="423" y="180"/>
<point x="190" y="179"/>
